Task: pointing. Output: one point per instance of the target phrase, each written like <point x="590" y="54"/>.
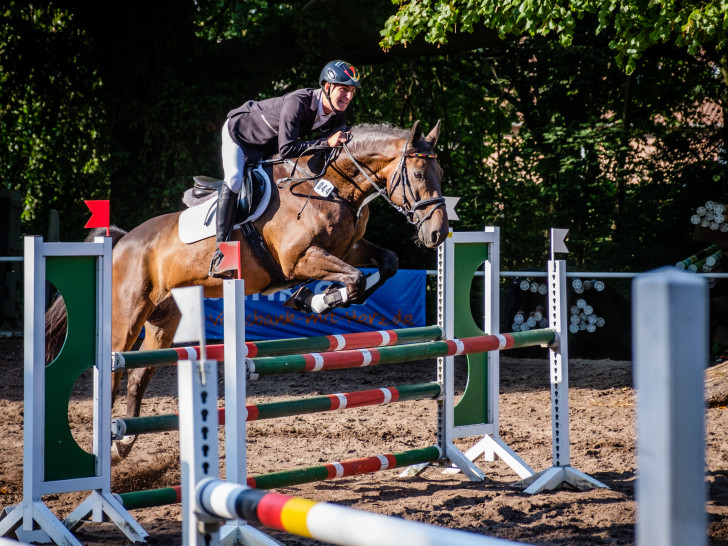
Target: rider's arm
<point x="294" y="114"/>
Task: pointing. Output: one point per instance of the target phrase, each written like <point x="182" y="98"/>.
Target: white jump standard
<point x="561" y="471"/>
<point x="82" y="273"/>
<point x="207" y="501"/>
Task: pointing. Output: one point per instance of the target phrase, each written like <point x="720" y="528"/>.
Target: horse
<point x="308" y="236"/>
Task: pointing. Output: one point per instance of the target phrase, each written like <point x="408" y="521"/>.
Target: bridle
<point x="399" y="175"/>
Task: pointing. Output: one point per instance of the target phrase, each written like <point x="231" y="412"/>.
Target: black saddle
<point x="255" y="186"/>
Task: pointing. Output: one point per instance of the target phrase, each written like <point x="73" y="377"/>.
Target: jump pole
<point x="207" y="500"/>
<point x="286" y="408"/>
<point x="53" y="462"/>
<point x="340" y="360"/>
<point x="273" y="347"/>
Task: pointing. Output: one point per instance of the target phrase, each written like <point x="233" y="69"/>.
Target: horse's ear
<point x="416" y="133"/>
<point x="432" y="137"/>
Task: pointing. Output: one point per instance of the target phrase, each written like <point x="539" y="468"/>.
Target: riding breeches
<point x="233" y="162"/>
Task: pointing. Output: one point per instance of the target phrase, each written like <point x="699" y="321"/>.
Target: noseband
<point x="400" y="175"/>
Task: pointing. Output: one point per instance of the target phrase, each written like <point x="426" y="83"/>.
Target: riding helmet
<point x="340" y="72"/>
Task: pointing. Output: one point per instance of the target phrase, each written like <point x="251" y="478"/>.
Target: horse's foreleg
<point x="317" y="263"/>
<point x="127" y="322"/>
<point x="366" y="254"/>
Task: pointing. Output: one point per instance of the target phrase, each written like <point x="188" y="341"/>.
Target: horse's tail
<point x="55" y="318"/>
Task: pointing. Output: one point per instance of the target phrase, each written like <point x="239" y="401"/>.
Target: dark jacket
<point x="262" y="128"/>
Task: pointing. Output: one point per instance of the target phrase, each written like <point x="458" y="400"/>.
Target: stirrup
<point x="213" y="271"/>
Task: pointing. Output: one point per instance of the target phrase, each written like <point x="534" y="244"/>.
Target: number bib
<point x="323" y="187"/>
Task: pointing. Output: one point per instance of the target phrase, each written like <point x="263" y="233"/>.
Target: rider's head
<point x="339" y="81"/>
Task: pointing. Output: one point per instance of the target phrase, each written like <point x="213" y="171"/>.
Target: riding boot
<point x="226" y="205"/>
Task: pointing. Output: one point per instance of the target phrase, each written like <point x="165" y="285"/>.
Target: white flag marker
<point x="557" y="241"/>
<point x="450" y="203"/>
<point x="191" y="327"/>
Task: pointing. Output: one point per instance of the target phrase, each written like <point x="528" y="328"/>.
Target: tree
<point x="127" y="103"/>
<point x="608" y="118"/>
<point x="52" y="141"/>
<point x="633" y="26"/>
<point x="131" y="101"/>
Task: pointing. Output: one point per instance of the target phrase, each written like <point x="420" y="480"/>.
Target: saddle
<point x="255" y="179"/>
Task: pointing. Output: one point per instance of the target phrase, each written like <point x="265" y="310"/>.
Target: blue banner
<point x="398" y="303"/>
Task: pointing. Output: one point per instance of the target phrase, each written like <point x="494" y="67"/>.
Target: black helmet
<point x="340" y="72"/>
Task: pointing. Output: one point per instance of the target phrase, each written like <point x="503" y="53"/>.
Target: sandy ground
<point x="602" y="404"/>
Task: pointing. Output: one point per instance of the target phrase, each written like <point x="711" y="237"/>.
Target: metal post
<point x="236" y="531"/>
<point x="197" y="394"/>
<point x="670" y="317"/>
<point x="561" y="471"/>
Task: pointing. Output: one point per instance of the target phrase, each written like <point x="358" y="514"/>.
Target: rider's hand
<point x="339" y="137"/>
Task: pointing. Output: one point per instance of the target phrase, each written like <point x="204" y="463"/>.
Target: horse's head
<point x="407" y="175"/>
<point x="414" y="185"/>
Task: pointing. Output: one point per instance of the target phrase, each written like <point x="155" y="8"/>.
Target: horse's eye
<point x="419" y="175"/>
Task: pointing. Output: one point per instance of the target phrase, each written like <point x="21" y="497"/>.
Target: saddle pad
<point x="198" y="222"/>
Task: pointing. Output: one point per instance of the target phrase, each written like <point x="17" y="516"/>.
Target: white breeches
<point x="233" y="161"/>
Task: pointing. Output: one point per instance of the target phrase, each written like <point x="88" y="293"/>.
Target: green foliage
<point x="543" y="136"/>
<point x="225" y="20"/>
<point x="52" y="122"/>
<point x="604" y="155"/>
<point x="534" y="135"/>
<point x="633" y="26"/>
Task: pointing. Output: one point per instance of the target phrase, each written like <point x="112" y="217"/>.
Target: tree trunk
<point x="622" y="156"/>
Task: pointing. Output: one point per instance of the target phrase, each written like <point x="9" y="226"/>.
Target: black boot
<point x="227" y="202"/>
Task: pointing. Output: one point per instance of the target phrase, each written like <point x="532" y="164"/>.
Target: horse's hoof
<point x="334" y="296"/>
<point x="120" y="449"/>
<point x="300" y="300"/>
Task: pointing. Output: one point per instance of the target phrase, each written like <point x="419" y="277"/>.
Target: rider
<point x="260" y="128"/>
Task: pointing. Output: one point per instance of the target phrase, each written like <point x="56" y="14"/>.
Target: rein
<point x="330" y="156"/>
<point x="409" y="211"/>
<point x="399" y="175"/>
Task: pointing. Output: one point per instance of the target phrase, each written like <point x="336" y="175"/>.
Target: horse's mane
<point x="367" y="134"/>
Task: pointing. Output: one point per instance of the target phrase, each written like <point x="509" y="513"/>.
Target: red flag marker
<point x="231" y="257"/>
<point x="99" y="214"/>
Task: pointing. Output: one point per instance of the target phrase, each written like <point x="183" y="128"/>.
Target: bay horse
<point x="309" y="237"/>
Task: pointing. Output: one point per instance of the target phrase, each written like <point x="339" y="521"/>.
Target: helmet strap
<point x="328" y="97"/>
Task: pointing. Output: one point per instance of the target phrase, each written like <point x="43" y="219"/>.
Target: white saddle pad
<point x="198" y="222"/>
